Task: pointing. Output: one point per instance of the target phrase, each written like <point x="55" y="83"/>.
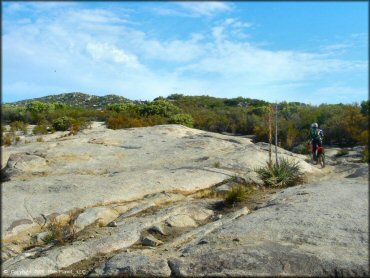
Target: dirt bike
<point x="320" y="155"/>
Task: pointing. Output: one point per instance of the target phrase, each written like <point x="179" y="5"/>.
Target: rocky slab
<point x="316" y="229"/>
<point x="101" y="166"/>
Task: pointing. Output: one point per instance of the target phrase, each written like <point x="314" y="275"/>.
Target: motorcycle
<point x="320" y="155"/>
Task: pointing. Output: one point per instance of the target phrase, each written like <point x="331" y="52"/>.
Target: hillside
<point x="77" y="100"/>
<point x="343" y="125"/>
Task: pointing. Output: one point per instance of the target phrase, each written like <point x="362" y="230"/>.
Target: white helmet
<point x="314" y="125"/>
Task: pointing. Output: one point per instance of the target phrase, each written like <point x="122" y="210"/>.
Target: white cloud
<point x="205" y="8"/>
<point x="237" y="23"/>
<point x="339" y="91"/>
<point x="102" y="50"/>
<point x="110" y="53"/>
<point x="231" y="27"/>
<point x="97" y="16"/>
<point x="194" y="9"/>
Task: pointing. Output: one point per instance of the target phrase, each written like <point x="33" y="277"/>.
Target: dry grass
<point x="217" y="164"/>
<point x="40" y="139"/>
<point x="8" y="138"/>
<point x="341" y="152"/>
<point x="208" y="193"/>
<point x="238" y="194"/>
<point x="61" y="231"/>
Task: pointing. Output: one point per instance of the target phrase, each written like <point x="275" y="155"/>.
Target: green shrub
<point x="153" y="120"/>
<point x="60" y="105"/>
<point x="217" y="164"/>
<point x="341" y="152"/>
<point x="126" y="106"/>
<point x="39" y="107"/>
<point x="302" y="149"/>
<point x="182" y="119"/>
<point x="365" y="155"/>
<point x="49" y="238"/>
<point x="286" y="173"/>
<point x="41" y="128"/>
<point x="19" y="126"/>
<point x="159" y="107"/>
<point x="62" y="123"/>
<point x="237" y="194"/>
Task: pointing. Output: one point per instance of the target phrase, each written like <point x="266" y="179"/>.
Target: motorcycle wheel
<point x="321" y="160"/>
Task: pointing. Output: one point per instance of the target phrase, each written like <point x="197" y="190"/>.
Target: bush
<point x="8" y="139"/>
<point x="237" y="194"/>
<point x="302" y="149"/>
<point x="153" y="120"/>
<point x="182" y="119"/>
<point x="127" y="106"/>
<point x="286" y="173"/>
<point x="160" y="107"/>
<point x="39" y="107"/>
<point x="50" y="237"/>
<point x="41" y="128"/>
<point x="78" y="125"/>
<point x="40" y="139"/>
<point x="365" y="155"/>
<point x="61" y="231"/>
<point x="217" y="164"/>
<point x="115" y="122"/>
<point x="122" y="121"/>
<point x="62" y="123"/>
<point x="19" y="125"/>
<point x="341" y="152"/>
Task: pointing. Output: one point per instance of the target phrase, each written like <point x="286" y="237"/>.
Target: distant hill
<point x="77" y="100"/>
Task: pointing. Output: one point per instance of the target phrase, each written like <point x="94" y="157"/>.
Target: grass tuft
<point x="217" y="164"/>
<point x="365" y="155"/>
<point x="341" y="152"/>
<point x="237" y="194"/>
<point x="61" y="231"/>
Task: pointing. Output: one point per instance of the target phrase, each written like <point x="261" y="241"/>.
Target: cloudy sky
<point x="308" y="52"/>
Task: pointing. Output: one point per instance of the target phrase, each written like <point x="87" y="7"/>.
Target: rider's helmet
<point x="315" y="125"/>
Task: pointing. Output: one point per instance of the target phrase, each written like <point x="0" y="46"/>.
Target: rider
<point x="316" y="136"/>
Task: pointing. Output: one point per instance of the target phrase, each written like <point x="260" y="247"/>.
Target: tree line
<point x="345" y="125"/>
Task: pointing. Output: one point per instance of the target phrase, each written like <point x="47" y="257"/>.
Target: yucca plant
<point x="285" y="173"/>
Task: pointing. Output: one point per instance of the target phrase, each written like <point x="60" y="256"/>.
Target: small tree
<point x="62" y="123"/>
<point x="182" y="119"/>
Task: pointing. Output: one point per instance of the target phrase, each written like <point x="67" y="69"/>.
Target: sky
<point x="311" y="52"/>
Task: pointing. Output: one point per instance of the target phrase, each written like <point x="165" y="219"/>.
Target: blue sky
<point x="312" y="52"/>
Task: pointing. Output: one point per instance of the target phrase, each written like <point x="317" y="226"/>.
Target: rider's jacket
<point x="316" y="133"/>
